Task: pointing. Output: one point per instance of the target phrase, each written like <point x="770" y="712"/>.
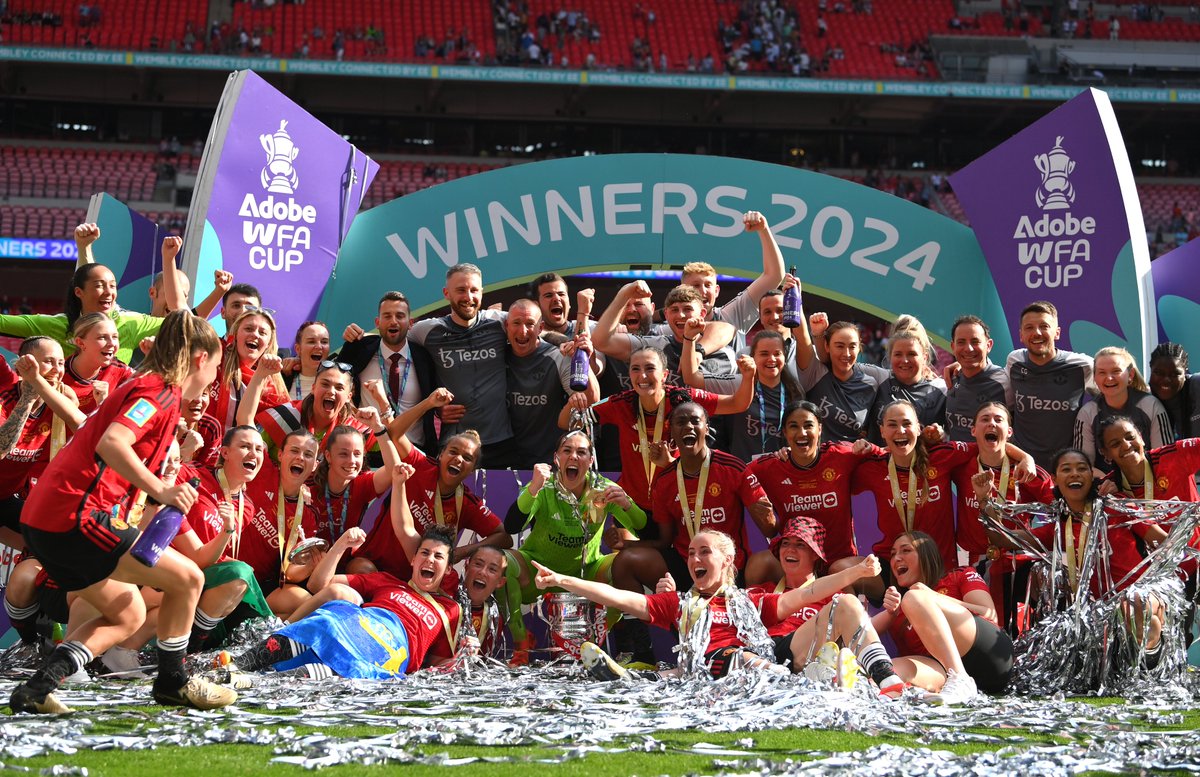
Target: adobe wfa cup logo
<point x="1053" y="247"/>
<point x="279" y="175"/>
<point x="277" y="230"/>
<point x="1056" y="191"/>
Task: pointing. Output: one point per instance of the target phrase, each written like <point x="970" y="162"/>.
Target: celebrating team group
<point x="331" y="488"/>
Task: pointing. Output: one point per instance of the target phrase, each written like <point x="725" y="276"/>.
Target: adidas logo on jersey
<point x="786" y="482"/>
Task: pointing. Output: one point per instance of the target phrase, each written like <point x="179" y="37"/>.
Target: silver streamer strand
<point x="1086" y="640"/>
<point x="558" y="715"/>
<point x="746" y="618"/>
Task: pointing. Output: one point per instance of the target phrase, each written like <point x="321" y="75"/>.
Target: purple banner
<point x="1057" y="216"/>
<point x="1177" y="296"/>
<point x="130" y="245"/>
<point x="276" y="193"/>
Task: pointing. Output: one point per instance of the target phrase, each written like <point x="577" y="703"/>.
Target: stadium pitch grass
<point x="676" y="757"/>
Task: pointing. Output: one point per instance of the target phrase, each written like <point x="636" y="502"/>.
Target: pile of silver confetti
<point x="1085" y="637"/>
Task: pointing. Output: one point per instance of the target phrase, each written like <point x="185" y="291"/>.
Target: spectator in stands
<point x="339" y="45"/>
<point x="1114" y="28"/>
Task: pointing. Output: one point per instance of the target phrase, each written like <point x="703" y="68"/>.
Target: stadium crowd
<point x="329" y="486"/>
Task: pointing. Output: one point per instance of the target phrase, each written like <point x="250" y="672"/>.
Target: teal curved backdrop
<point x="852" y="243"/>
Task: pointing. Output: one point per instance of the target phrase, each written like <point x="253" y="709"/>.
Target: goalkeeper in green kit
<point x="568" y="511"/>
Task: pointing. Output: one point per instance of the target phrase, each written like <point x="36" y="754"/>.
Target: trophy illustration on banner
<point x="572" y="620"/>
<point x="279" y="176"/>
<point x="1056" y="191"/>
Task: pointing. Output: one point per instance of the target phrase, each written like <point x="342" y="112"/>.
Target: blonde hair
<point x="910" y="328"/>
<point x="231" y="373"/>
<point x="181" y="336"/>
<point x="723" y="543"/>
<point x="698" y="268"/>
<point x="84" y="323"/>
<point x="1136" y="381"/>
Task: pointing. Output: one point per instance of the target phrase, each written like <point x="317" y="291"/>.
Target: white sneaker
<point x="958" y="689"/>
<point x="124" y="662"/>
<point x="824" y="668"/>
<point x="599" y="664"/>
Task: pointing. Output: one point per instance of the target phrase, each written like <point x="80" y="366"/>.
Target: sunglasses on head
<point x="329" y="365"/>
<point x="257" y="309"/>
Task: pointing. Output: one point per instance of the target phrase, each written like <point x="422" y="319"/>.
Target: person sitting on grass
<point x="835" y="629"/>
<point x="944" y="623"/>
<point x="720" y="626"/>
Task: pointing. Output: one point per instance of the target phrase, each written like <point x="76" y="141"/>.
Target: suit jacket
<point x="360" y="353"/>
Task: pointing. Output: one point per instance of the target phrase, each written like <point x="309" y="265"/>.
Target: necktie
<point x="394" y="377"/>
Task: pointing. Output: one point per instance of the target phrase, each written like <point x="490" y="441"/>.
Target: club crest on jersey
<point x="828" y="474"/>
<point x="1164" y="483"/>
<point x="141" y="412"/>
<point x="714" y="489"/>
<point x="931" y="473"/>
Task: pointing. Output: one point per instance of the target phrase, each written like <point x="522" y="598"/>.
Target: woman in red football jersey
<point x="77" y="522"/>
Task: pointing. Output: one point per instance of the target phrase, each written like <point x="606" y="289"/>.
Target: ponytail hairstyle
<point x="321" y="476"/>
<point x="792" y="391"/>
<point x="929" y="558"/>
<point x="231" y="372"/>
<point x="724" y="543"/>
<point x="920" y="462"/>
<point x="1136" y="381"/>
<point x="181" y="336"/>
<point x="73" y="306"/>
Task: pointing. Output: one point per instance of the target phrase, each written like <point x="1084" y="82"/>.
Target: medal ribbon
<point x="692" y="519"/>
<point x="241" y="503"/>
<point x="451" y="636"/>
<point x="907" y="510"/>
<point x="1147" y="481"/>
<point x="440" y="516"/>
<point x="691" y="611"/>
<point x="644" y="441"/>
<point x="1075" y="554"/>
<point x="281" y="526"/>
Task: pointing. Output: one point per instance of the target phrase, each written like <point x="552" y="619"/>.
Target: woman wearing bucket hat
<point x="824" y="637"/>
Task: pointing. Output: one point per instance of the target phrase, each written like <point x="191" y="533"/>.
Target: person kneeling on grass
<point x="835" y="627"/>
<point x="720" y="626"/>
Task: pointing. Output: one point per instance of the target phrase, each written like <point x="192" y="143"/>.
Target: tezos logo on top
<point x="1054" y="247"/>
<point x="274" y="228"/>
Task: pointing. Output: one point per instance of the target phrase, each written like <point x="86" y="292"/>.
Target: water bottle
<point x="579" y="371"/>
<point x="159" y="532"/>
<point x="791" y="305"/>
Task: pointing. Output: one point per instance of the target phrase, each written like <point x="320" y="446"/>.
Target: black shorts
<point x="783" y="648"/>
<point x="990" y="659"/>
<point x="51" y="599"/>
<point x="10" y="513"/>
<point x="84" y="555"/>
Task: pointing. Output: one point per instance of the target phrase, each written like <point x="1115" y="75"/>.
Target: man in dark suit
<point x="405" y="369"/>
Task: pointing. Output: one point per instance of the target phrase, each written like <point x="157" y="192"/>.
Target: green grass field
<point x="572" y="727"/>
